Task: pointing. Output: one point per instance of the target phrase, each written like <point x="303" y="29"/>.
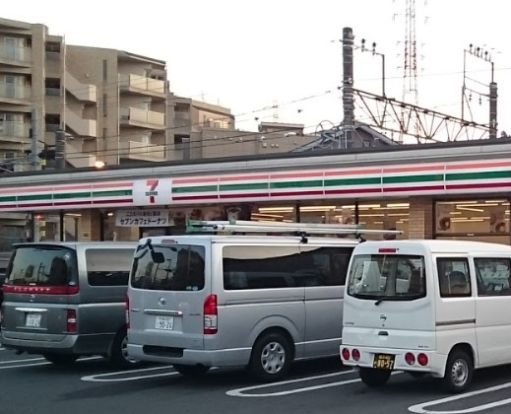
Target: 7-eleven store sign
<point x="152" y="192"/>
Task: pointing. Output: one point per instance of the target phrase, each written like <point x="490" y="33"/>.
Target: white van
<point x="427" y="307"/>
<point x="198" y="301"/>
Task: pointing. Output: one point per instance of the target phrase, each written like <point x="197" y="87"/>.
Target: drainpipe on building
<point x="60" y="149"/>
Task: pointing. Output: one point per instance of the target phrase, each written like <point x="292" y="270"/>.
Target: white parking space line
<point x="2" y="349"/>
<point x="240" y="392"/>
<point x="107" y="377"/>
<point x="22" y="360"/>
<point x="34" y="362"/>
<point x="19" y="364"/>
<point x="421" y="408"/>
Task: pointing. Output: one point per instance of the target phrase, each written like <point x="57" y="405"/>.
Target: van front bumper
<point x="435" y="366"/>
<point x="208" y="358"/>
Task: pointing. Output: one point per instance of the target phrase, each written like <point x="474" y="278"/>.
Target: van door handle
<point x="383" y="333"/>
<point x="135" y="309"/>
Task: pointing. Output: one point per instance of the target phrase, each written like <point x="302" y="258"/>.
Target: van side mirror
<point x="157" y="257"/>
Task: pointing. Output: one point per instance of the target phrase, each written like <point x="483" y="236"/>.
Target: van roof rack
<point x="301" y="229"/>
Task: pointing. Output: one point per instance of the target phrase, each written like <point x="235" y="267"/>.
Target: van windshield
<point x="42" y="266"/>
<point x="176" y="267"/>
<point x="387" y="277"/>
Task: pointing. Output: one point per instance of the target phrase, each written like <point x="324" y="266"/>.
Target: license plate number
<point x="383" y="361"/>
<point x="164" y="322"/>
<point x="33" y="320"/>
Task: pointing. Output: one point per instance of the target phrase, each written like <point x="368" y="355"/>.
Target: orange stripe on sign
<point x="194" y="180"/>
<point x="353" y="172"/>
<point x="297" y="175"/>
<point x="246" y="177"/>
<point x="435" y="167"/>
<point x="478" y="165"/>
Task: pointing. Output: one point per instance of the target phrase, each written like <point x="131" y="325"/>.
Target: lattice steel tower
<point x="410" y="88"/>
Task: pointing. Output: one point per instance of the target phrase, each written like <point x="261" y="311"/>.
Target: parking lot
<point x="30" y="384"/>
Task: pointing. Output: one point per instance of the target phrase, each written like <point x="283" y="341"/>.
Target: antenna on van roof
<point x="301" y="229"/>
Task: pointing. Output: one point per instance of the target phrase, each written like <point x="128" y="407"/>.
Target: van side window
<point x="453" y="277"/>
<point x="108" y="267"/>
<point x="493" y="276"/>
<point x="265" y="267"/>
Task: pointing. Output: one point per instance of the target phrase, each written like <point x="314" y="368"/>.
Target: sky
<point x="280" y="60"/>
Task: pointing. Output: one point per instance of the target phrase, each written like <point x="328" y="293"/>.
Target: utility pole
<point x="60" y="149"/>
<point x="348" y="100"/>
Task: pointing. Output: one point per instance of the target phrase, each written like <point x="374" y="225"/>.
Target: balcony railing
<point x="10" y="91"/>
<point x="144" y="152"/>
<point x="137" y="116"/>
<point x="14" y="129"/>
<point x="16" y="54"/>
<point x="142" y="84"/>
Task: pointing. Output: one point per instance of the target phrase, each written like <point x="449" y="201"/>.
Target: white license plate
<point x="33" y="320"/>
<point x="164" y="322"/>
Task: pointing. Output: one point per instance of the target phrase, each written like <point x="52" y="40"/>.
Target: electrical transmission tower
<point x="410" y="87"/>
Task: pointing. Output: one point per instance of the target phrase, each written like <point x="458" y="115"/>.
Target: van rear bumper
<point x="66" y="344"/>
<point x="436" y="361"/>
<point x="218" y="357"/>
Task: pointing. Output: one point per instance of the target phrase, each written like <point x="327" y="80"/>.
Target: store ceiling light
<point x="478" y="210"/>
<point x="275" y="209"/>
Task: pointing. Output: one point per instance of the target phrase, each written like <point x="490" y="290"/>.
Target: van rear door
<point x="41" y="281"/>
<point x="167" y="294"/>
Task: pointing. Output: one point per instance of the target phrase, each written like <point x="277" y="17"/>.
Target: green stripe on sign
<point x="297" y="184"/>
<point x="195" y="189"/>
<point x="479" y="176"/>
<point x="237" y="187"/>
<point x="352" y="181"/>
<point x="8" y="198"/>
<point x="35" y="197"/>
<point x="412" y="178"/>
<point x="61" y="196"/>
<point x="112" y="193"/>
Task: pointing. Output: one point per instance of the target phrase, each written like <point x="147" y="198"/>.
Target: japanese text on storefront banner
<point x="142" y="218"/>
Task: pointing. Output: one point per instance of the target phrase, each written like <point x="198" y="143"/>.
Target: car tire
<point x="373" y="377"/>
<point x="61" y="359"/>
<point x="119" y="352"/>
<point x="271" y="357"/>
<point x="458" y="372"/>
<point x="192" y="371"/>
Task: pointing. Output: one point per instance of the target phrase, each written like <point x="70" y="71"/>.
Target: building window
<point x="487" y="219"/>
<point x="105" y="104"/>
<point x="105" y="70"/>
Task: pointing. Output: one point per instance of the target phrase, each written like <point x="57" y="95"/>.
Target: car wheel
<point x="60" y="359"/>
<point x="119" y="354"/>
<point x="458" y="372"/>
<point x="271" y="357"/>
<point x="374" y="377"/>
<point x="191" y="370"/>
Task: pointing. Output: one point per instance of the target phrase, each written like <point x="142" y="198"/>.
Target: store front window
<point x="484" y="220"/>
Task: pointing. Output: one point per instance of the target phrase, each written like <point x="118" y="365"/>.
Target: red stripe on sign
<point x="258" y="195"/>
<point x="201" y="197"/>
<point x="199" y="180"/>
<point x="368" y="171"/>
<point x="297" y="175"/>
<point x="245" y="177"/>
<point x="471" y="186"/>
<point x="354" y="191"/>
<point x="295" y="193"/>
<point x="423" y="188"/>
<point x="436" y="167"/>
<point x="478" y="165"/>
<point x="112" y="201"/>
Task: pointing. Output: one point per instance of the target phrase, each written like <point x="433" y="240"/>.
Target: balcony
<point x="14" y="94"/>
<point x="14" y="133"/>
<point x="15" y="56"/>
<point x="141" y="151"/>
<point x="81" y="126"/>
<point x="142" y="118"/>
<point x="142" y="85"/>
<point x="81" y="91"/>
<point x="77" y="158"/>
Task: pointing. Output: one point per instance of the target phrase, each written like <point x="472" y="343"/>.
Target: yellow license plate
<point x="383" y="361"/>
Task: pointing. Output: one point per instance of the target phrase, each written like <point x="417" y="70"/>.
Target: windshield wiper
<point x="380" y="300"/>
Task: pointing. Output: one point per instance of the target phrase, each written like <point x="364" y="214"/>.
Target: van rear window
<point x="174" y="268"/>
<point x="42" y="266"/>
<point x="108" y="267"/>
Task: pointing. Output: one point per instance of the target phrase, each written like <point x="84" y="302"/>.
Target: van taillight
<point x="210" y="315"/>
<point x="127" y="311"/>
<point x="387" y="250"/>
<point x="72" y="322"/>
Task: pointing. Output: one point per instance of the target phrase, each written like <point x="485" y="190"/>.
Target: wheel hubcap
<point x="459" y="372"/>
<point x="273" y="357"/>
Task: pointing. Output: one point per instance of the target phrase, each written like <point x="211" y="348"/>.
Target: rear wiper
<point x="380" y="300"/>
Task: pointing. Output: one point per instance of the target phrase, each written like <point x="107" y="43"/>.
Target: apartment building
<point x="201" y="130"/>
<point x="111" y="103"/>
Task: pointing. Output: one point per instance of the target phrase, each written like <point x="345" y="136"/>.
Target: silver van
<point x="64" y="300"/>
<point x="198" y="301"/>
